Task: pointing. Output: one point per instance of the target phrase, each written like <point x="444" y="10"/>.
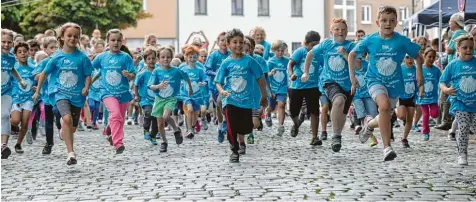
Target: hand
<point x="272" y="72"/>
<point x="450" y="91"/>
<point x="264" y="101"/>
<point x="125" y="73"/>
<point x="293" y="77"/>
<point x="162" y="85"/>
<point x="137" y="98"/>
<point x="305" y="77"/>
<point x="225" y="93"/>
<point x="419" y="80"/>
<point x="355" y="85"/>
<point x="23" y="84"/>
<point x="35" y="96"/>
<point x="85" y="91"/>
<point x="341" y="50"/>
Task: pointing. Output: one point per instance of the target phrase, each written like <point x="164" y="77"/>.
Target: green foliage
<point x="37" y="16"/>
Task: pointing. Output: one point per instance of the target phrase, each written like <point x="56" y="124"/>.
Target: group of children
<point x="245" y="79"/>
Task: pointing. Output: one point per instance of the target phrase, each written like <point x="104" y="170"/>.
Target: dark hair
<point x="359" y="31"/>
<point x="33" y="43"/>
<point x="252" y="42"/>
<point x="149" y="51"/>
<point x="312" y="36"/>
<point x="233" y="33"/>
<point x="388" y="10"/>
<point x="19" y="45"/>
<point x="125" y="49"/>
<point x="179" y="56"/>
<point x="83" y="36"/>
<point x="435" y="42"/>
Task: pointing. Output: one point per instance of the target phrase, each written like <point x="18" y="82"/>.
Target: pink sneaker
<point x="197" y="126"/>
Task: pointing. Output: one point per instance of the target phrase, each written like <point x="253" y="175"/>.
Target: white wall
<point x="279" y="25"/>
<point x="133" y="43"/>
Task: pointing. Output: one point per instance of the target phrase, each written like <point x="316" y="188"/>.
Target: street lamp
<point x="97" y="4"/>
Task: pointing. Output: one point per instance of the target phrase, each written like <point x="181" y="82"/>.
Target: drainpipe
<point x="177" y="27"/>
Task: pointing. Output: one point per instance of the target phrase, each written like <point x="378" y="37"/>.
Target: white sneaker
<point x="389" y="154"/>
<point x="129" y="121"/>
<point x="42" y="130"/>
<point x="463" y="159"/>
<point x="204" y="125"/>
<point x="29" y="138"/>
<point x="280" y="131"/>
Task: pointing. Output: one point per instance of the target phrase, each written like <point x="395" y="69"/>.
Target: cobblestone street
<point x="273" y="169"/>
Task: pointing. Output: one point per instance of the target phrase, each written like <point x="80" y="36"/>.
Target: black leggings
<point x="150" y="121"/>
<point x="49" y="121"/>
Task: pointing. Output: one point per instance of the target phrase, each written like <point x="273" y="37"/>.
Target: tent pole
<point x="440" y="28"/>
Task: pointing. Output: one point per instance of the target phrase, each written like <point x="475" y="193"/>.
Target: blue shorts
<point x="196" y="103"/>
<point x="277" y="98"/>
<point x="214" y="94"/>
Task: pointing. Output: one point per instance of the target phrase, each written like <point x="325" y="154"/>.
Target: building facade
<point x="288" y="20"/>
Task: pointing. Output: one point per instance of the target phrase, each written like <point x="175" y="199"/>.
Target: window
<point x="200" y="7"/>
<point x="236" y="7"/>
<point x="296" y="8"/>
<point x="403" y="14"/>
<point x="263" y="7"/>
<point x="346" y="9"/>
<point x="366" y="14"/>
<point x="296" y="45"/>
<point x="144" y="5"/>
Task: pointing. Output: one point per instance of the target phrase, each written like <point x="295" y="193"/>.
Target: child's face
<point x="22" y="54"/>
<point x="51" y="48"/>
<point x="70" y="37"/>
<point x="165" y="58"/>
<point x="339" y="32"/>
<point x="409" y="61"/>
<point x="7" y="43"/>
<point x="97" y="34"/>
<point x="85" y="41"/>
<point x="236" y="45"/>
<point x="222" y="42"/>
<point x="387" y="23"/>
<point x="430" y="57"/>
<point x="152" y="41"/>
<point x="258" y="36"/>
<point x="246" y="49"/>
<point x="279" y="53"/>
<point x="466" y="50"/>
<point x="98" y="48"/>
<point x="115" y="42"/>
<point x="422" y="43"/>
<point x="151" y="60"/>
<point x="33" y="51"/>
<point x="192" y="58"/>
<point x="203" y="57"/>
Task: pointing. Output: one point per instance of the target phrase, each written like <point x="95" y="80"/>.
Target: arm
<point x="188" y="39"/>
<point x="354" y="82"/>
<point x="419" y="71"/>
<point x="291" y="65"/>
<point x="17" y="76"/>
<point x="343" y="53"/>
<point x="262" y="88"/>
<point x="41" y="80"/>
<point x="208" y="66"/>
<point x="307" y="64"/>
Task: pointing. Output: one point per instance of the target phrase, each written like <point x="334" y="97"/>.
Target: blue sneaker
<point x="157" y="136"/>
<point x="146" y="135"/>
<point x="251" y="139"/>
<point x="221" y="136"/>
<point x="416" y="129"/>
<point x="153" y="141"/>
<point x="224" y="127"/>
<point x="426" y="137"/>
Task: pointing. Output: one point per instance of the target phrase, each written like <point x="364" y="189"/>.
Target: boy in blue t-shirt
<point x="232" y="81"/>
<point x="386" y="50"/>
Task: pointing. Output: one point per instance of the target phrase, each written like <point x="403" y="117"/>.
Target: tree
<point x="11" y="15"/>
<point x="41" y="15"/>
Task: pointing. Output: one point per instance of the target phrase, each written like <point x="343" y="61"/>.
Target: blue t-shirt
<point x="212" y="65"/>
<point x="462" y="76"/>
<point x="21" y="95"/>
<point x="113" y="83"/>
<point x="256" y="91"/>
<point x="410" y="83"/>
<point x="68" y="75"/>
<point x="31" y="62"/>
<point x="299" y="57"/>
<point x="336" y="67"/>
<point x="8" y="63"/>
<point x="236" y="77"/>
<point x="141" y="65"/>
<point x="386" y="56"/>
<point x="146" y="95"/>
<point x="196" y="75"/>
<point x="44" y="90"/>
<point x="362" y="91"/>
<point x="279" y="80"/>
<point x="431" y="78"/>
<point x="173" y="76"/>
<point x="267" y="50"/>
<point x="95" y="88"/>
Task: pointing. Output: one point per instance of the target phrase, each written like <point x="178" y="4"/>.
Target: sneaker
<point x="180" y="122"/>
<point x="100" y="121"/>
<point x="396" y="124"/>
<point x="18" y="149"/>
<point x="42" y="130"/>
<point x="104" y="131"/>
<point x="358" y="129"/>
<point x="323" y="135"/>
<point x="208" y="117"/>
<point x="260" y="127"/>
<point x="95" y="127"/>
<point x="163" y="147"/>
<point x="373" y="141"/>
<point x="141" y="120"/>
<point x="129" y="121"/>
<point x="47" y="149"/>
<point x="221" y="136"/>
<point x="426" y="137"/>
<point x="452" y="136"/>
<point x="273" y="115"/>
<point x="242" y="149"/>
<point x="294" y="131"/>
<point x="71" y="159"/>
<point x="352" y="126"/>
<point x="405" y="143"/>
<point x="109" y="139"/>
<point x="432" y="123"/>
<point x="146" y="135"/>
<point x="204" y="125"/>
<point x="336" y="143"/>
<point x="80" y="126"/>
<point x="389" y="154"/>
<point x="197" y="126"/>
<point x="189" y="135"/>
<point x="268" y="121"/>
<point x="365" y="135"/>
<point x="315" y="141"/>
<point x="416" y="129"/>
<point x="280" y="131"/>
<point x="153" y="141"/>
<point x="29" y="138"/>
<point x="250" y="139"/>
<point x="157" y="136"/>
<point x="120" y="149"/>
<point x="234" y="158"/>
<point x="89" y="127"/>
<point x="6" y="152"/>
<point x="178" y="136"/>
<point x="463" y="159"/>
<point x="136" y="122"/>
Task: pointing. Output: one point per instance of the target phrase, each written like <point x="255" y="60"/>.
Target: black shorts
<point x="239" y="120"/>
<point x="297" y="96"/>
<point x="407" y="102"/>
<point x="333" y="90"/>
<point x="65" y="107"/>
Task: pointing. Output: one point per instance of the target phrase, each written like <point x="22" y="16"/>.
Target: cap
<point x="458" y="19"/>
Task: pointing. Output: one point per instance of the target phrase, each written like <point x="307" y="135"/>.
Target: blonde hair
<point x="63" y="30"/>
<point x="462" y="38"/>
<point x="49" y="40"/>
<point x="258" y="28"/>
<point x="113" y="31"/>
<point x="7" y="32"/>
<point x="147" y="38"/>
<point x="38" y="54"/>
<point x="278" y="44"/>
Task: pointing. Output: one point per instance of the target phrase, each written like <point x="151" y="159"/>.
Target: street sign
<point x="461" y="5"/>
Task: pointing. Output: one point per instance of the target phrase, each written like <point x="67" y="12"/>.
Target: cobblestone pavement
<point x="274" y="169"/>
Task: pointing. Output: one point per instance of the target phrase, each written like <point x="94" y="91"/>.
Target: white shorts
<point x="28" y="105"/>
<point x="378" y="89"/>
